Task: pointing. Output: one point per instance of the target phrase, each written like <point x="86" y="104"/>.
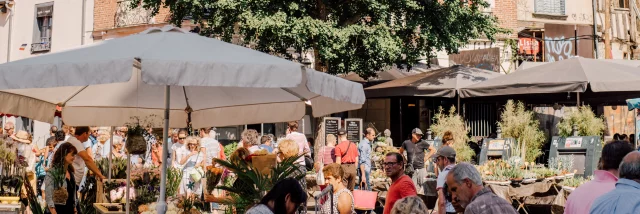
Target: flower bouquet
<point x="118" y="195"/>
<point x="213" y="175"/>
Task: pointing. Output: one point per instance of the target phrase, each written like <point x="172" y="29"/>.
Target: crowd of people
<point x="459" y="186"/>
<point x="345" y="166"/>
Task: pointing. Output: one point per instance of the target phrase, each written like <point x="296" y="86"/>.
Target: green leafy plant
<point x="343" y="36"/>
<point x="60" y="193"/>
<point x="455" y="124"/>
<point x="230" y="148"/>
<point x="88" y="196"/>
<point x="544" y="172"/>
<point x="174" y="177"/>
<point x="574" y="181"/>
<point x="587" y="123"/>
<point x="32" y="198"/>
<point x="251" y="185"/>
<point x="136" y="130"/>
<point x="118" y="167"/>
<point x="519" y="123"/>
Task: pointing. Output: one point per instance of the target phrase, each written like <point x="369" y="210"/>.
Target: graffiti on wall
<point x="560" y="42"/>
<point x="488" y="59"/>
<point x="558" y="48"/>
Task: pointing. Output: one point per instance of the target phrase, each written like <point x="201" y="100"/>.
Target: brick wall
<point x="507" y="13"/>
<point x="104" y="13"/>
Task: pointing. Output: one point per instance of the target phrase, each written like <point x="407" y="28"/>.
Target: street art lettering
<point x="488" y="59"/>
<point x="558" y="48"/>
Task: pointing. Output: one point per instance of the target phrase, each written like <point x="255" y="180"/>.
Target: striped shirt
<point x="486" y="202"/>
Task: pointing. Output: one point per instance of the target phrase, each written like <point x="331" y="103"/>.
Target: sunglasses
<point x="182" y="138"/>
<point x="389" y="164"/>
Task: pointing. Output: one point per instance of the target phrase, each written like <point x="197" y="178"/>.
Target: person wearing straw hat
<point x="27" y="155"/>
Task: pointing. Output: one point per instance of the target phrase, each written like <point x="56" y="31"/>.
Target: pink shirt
<point x="303" y="146"/>
<point x="580" y="200"/>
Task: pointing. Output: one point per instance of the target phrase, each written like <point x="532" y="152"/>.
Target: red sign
<point x="528" y="46"/>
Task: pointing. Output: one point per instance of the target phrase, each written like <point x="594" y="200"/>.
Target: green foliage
<point x="575" y="181"/>
<point x="118" y="167"/>
<point x="174" y="176"/>
<point x="88" y="196"/>
<point x="251" y="185"/>
<point x="58" y="175"/>
<point x="230" y="148"/>
<point x="345" y="36"/>
<point x="519" y="123"/>
<point x="585" y="120"/>
<point x="455" y="124"/>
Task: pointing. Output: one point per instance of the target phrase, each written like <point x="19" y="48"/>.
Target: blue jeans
<point x="367" y="174"/>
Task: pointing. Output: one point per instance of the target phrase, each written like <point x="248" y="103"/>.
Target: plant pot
<point x="60" y="196"/>
<point x="136" y="145"/>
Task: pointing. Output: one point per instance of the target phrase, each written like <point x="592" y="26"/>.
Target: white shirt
<point x="179" y="151"/>
<point x="253" y="149"/>
<point x="101" y="150"/>
<point x="213" y="149"/>
<point x="78" y="163"/>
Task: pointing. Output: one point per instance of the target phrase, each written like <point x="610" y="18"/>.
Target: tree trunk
<point x="318" y="145"/>
<point x="607" y="29"/>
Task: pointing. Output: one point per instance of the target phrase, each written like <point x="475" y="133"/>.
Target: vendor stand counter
<point x="11" y="208"/>
<point x="545" y="193"/>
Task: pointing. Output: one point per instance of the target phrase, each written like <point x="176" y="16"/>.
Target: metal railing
<point x="126" y="15"/>
<point x="325" y="196"/>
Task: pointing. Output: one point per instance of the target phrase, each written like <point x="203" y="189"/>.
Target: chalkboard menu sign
<point x="354" y="129"/>
<point x="331" y="125"/>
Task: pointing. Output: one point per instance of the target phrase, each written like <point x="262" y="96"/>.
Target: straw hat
<point x="21" y="136"/>
<point x="103" y="137"/>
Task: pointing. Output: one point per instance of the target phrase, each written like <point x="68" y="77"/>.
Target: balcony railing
<point x="128" y="16"/>
<point x="43" y="46"/>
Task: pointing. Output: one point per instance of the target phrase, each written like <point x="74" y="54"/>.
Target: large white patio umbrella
<point x="166" y="71"/>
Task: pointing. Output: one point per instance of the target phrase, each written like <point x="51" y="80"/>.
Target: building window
<point x="42" y="28"/>
<point x="622" y="4"/>
<point x="550" y="7"/>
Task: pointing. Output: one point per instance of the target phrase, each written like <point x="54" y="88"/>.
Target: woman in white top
<point x="192" y="161"/>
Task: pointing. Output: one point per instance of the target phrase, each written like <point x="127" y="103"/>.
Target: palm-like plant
<point x="58" y="175"/>
<point x="251" y="185"/>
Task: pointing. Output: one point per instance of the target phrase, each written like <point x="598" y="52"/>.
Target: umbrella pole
<point x="128" y="191"/>
<point x="578" y="98"/>
<point x="162" y="203"/>
<point x="458" y="104"/>
<point x="110" y="155"/>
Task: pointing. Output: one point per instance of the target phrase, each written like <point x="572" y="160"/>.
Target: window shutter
<point x="36" y="29"/>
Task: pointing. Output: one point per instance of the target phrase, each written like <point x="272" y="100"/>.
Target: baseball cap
<point x="416" y="131"/>
<point x="341" y="131"/>
<point x="447" y="152"/>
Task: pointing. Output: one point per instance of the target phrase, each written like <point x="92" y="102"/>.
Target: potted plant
<point x="60" y="193"/>
<point x="136" y="143"/>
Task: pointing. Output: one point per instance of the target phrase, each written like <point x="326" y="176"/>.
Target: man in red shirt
<point x="347" y="155"/>
<point x="401" y="185"/>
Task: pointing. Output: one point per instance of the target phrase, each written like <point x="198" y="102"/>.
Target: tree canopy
<point x="361" y="36"/>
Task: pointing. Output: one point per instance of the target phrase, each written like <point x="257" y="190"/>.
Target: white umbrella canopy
<point x="116" y="103"/>
<point x="223" y="84"/>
